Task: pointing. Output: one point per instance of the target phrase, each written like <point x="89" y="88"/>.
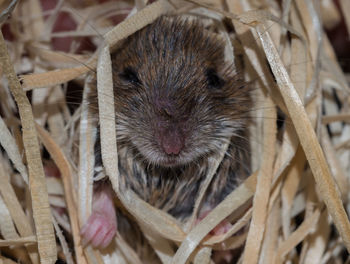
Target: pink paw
<point x="99" y="231"/>
<point x="220" y="229"/>
<point x="101" y="226"/>
<point x="222" y="256"/>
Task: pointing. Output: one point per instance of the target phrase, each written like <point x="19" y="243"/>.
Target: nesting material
<point x="295" y="201"/>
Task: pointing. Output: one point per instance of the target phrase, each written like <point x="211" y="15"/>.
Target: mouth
<point x="170" y="161"/>
<point x="181" y="159"/>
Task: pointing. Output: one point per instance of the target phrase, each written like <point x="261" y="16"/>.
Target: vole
<point x="177" y="102"/>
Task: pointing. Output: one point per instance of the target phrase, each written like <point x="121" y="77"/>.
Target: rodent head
<point x="176" y="99"/>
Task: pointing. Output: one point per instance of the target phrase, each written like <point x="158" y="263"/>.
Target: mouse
<point x="177" y="102"/>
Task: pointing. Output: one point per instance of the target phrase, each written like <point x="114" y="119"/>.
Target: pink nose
<point x="172" y="143"/>
<point x="172" y="147"/>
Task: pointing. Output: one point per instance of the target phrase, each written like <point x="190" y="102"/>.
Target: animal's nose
<point x="172" y="141"/>
<point x="172" y="146"/>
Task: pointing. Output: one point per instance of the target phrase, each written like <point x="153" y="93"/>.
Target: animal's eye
<point x="130" y="75"/>
<point x="214" y="81"/>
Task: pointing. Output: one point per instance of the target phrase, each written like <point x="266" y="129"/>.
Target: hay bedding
<point x="297" y="196"/>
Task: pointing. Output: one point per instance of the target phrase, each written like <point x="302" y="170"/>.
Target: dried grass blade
<point x="163" y="247"/>
<point x="127" y="251"/>
<point x="315" y="34"/>
<point x="40" y="202"/>
<point x="66" y="174"/>
<point x="330" y="14"/>
<point x="345" y="6"/>
<point x="63" y="242"/>
<point x="337" y="170"/>
<point x="105" y="96"/>
<point x="87" y="137"/>
<point x="18" y="215"/>
<point x="39" y="97"/>
<point x="333" y="67"/>
<point x="335" y="118"/>
<point x="233" y="242"/>
<point x="308" y="22"/>
<point x="287" y="151"/>
<point x="153" y="218"/>
<point x="11" y="149"/>
<point x="58" y="57"/>
<point x="4" y="260"/>
<point x="37" y="24"/>
<point x="262" y="194"/>
<point x="7" y="228"/>
<point x="203" y="256"/>
<point x="297" y="236"/>
<point x="307" y="138"/>
<point x="6" y="10"/>
<point x="213" y="166"/>
<point x="318" y="240"/>
<point x="333" y="253"/>
<point x="55" y="117"/>
<point x="78" y="33"/>
<point x="268" y="249"/>
<point x="18" y="241"/>
<point x="137" y="21"/>
<point x="290" y="188"/>
<point x="51" y="78"/>
<point x="301" y="67"/>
